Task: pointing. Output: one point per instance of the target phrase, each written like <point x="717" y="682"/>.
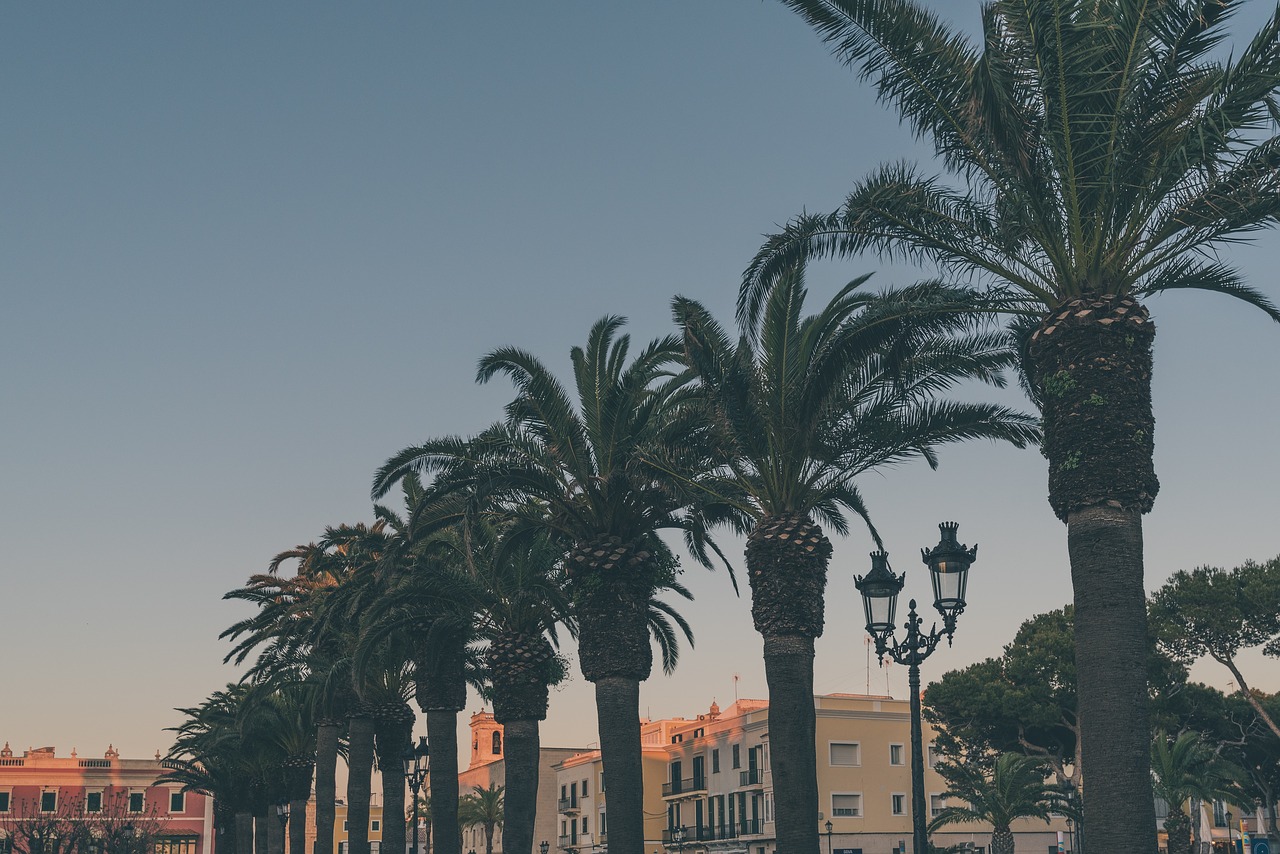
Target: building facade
<point x="709" y="786"/>
<point x="488" y="767"/>
<point x="102" y="796"/>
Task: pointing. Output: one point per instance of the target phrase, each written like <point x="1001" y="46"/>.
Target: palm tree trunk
<point x="488" y="839"/>
<point x="521" y="799"/>
<point x="1177" y="829"/>
<point x="327" y="733"/>
<point x="518" y="665"/>
<point x="442" y="734"/>
<point x="392" y="736"/>
<point x="1111" y="646"/>
<point x="618" y="713"/>
<point x="275" y="833"/>
<point x="244" y="832"/>
<point x="359" y="783"/>
<point x="1092" y="362"/>
<point x="298" y="826"/>
<point x="787" y="557"/>
<point x="788" y="668"/>
<point x="262" y="827"/>
<point x="1001" y="840"/>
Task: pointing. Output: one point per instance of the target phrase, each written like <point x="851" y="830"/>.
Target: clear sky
<point x="251" y="250"/>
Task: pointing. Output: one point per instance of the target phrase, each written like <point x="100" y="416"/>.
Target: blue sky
<point x="252" y="250"/>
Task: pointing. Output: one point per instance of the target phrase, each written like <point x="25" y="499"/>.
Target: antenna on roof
<point x="736" y="677"/>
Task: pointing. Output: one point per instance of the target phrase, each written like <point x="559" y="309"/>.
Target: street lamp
<point x="282" y="812"/>
<point x="1231" y="839"/>
<point x="416" y="760"/>
<point x="543" y="846"/>
<point x="948" y="564"/>
<point x="829" y="826"/>
<point x="678" y="836"/>
<point x="1070" y="842"/>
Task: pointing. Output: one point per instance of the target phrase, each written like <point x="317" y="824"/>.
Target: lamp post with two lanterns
<point x="416" y="760"/>
<point x="948" y="564"/>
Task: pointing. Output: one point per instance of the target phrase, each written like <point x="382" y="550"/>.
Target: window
<point x="497" y="743"/>
<point x="937" y="803"/>
<point x="4" y="801"/>
<point x="177" y="801"/>
<point x="715" y="760"/>
<point x="935" y="755"/>
<point x="897" y="754"/>
<point x="375" y="825"/>
<point x="899" y="802"/>
<point x="584" y="788"/>
<point x="93" y="802"/>
<point x="584" y="824"/>
<point x="345" y="828"/>
<point x="848" y="805"/>
<point x="137" y="800"/>
<point x="48" y="801"/>
<point x="602" y="824"/>
<point x="175" y="845"/>
<point x="737" y="756"/>
<point x="845" y="753"/>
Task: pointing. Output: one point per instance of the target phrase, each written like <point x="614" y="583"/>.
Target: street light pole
<point x="416" y="761"/>
<point x="948" y="564"/>
<point x="1231" y="839"/>
<point x="829" y="826"/>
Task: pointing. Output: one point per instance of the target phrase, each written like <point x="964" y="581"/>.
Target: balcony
<point x="750" y="777"/>
<point x="710" y="833"/>
<point x="568" y="806"/>
<point x="567" y="842"/>
<point x="687" y="786"/>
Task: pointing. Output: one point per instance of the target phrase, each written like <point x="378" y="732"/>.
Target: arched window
<point x="497" y="743"/>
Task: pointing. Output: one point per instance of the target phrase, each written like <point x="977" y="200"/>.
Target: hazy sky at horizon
<point x="252" y="250"/>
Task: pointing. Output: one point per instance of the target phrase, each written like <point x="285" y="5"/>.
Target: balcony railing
<point x="750" y="777"/>
<point x="568" y="805"/>
<point x="684" y="787"/>
<point x="567" y="842"/>
<point x="708" y="833"/>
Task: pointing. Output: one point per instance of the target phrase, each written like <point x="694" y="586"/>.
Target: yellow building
<point x="341" y="828"/>
<point x="709" y="787"/>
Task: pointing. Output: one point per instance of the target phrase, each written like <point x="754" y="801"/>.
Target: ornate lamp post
<point x="543" y="846"/>
<point x="677" y="836"/>
<point x="282" y="812"/>
<point x="829" y="827"/>
<point x="1231" y="839"/>
<point x="416" y="760"/>
<point x="948" y="564"/>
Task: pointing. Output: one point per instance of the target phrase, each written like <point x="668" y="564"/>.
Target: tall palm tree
<point x="1101" y="152"/>
<point x="207" y="757"/>
<point x="1186" y="769"/>
<point x="1015" y="788"/>
<point x="576" y="467"/>
<point x="484" y="807"/>
<point x="804" y="405"/>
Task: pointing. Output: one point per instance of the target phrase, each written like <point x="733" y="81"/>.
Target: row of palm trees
<point x="1101" y="148"/>
<point x="551" y="522"/>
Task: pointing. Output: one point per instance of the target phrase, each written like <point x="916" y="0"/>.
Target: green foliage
<point x="1059" y="384"/>
<point x="1015" y="787"/>
<point x="1216" y="613"/>
<point x="1097" y="148"/>
<point x="801" y="405"/>
<point x="1096" y="399"/>
<point x="1071" y="461"/>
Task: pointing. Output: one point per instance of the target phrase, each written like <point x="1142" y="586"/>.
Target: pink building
<point x="104" y="796"/>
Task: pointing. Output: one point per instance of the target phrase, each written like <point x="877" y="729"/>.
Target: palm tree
<point x="1015" y="788"/>
<point x="577" y="469"/>
<point x="1187" y="769"/>
<point x="1102" y="153"/>
<point x="803" y="406"/>
<point x="483" y="807"/>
